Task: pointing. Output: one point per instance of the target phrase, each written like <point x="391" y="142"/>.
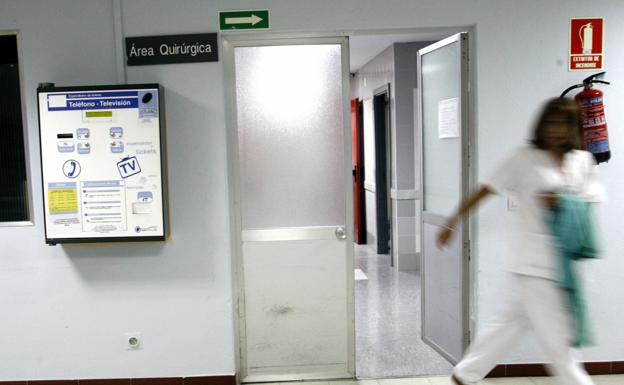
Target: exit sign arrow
<point x="250" y="19"/>
<point x="253" y="20"/>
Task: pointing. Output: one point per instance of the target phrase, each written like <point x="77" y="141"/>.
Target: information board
<point x="102" y="163"/>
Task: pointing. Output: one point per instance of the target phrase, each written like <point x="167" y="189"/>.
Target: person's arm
<point x="444" y="236"/>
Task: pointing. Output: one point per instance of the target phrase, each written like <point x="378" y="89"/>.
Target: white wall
<point x="511" y="85"/>
<point x="65" y="309"/>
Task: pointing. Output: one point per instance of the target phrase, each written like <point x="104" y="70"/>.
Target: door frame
<point x="468" y="179"/>
<point x="229" y="44"/>
<point x="359" y="196"/>
<point x="387" y="160"/>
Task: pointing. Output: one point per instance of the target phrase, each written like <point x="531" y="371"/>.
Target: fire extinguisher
<point x="594" y="135"/>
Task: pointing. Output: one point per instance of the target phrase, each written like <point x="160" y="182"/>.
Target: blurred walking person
<point x="538" y="176"/>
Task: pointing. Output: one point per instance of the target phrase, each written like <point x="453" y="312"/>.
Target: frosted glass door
<point x="441" y="84"/>
<point x="291" y="140"/>
<point x="443" y="74"/>
<point x="294" y="193"/>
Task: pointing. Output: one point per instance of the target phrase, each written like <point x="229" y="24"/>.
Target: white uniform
<point x="539" y="303"/>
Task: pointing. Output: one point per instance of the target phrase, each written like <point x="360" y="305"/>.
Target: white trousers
<point x="539" y="305"/>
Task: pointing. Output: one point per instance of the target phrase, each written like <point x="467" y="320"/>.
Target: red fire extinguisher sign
<point x="586" y="44"/>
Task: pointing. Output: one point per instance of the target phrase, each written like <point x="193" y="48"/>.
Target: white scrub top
<point x="525" y="175"/>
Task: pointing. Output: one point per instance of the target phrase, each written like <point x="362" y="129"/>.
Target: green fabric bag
<point x="572" y="226"/>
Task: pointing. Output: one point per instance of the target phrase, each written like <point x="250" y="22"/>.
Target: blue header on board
<point x="93" y="100"/>
<point x="98" y="104"/>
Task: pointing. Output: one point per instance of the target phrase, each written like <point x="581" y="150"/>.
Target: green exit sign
<point x="255" y="19"/>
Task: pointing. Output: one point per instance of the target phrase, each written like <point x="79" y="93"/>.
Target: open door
<point x="291" y="183"/>
<point x="444" y="130"/>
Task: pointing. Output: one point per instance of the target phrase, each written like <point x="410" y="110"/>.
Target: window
<point x="13" y="177"/>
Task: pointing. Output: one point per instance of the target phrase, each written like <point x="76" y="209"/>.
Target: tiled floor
<point x="388" y="341"/>
<point x="444" y="380"/>
<point x="387" y="322"/>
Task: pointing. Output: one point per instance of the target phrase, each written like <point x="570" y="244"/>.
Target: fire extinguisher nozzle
<point x="595" y="78"/>
<point x="564" y="93"/>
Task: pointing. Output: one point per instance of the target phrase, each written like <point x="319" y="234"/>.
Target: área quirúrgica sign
<point x="171" y="49"/>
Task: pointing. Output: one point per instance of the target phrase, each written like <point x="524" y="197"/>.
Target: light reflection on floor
<point x="387" y="323"/>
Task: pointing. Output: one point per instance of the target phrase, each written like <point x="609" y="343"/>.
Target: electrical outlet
<point x="133" y="340"/>
<point x="512" y="204"/>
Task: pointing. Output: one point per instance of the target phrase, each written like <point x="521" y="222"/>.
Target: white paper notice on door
<point x="448" y="118"/>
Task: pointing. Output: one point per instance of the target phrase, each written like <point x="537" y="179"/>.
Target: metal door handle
<point x="340" y="232"/>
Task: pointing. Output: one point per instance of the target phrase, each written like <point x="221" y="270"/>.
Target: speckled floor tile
<point x="508" y="381"/>
<point x="440" y="380"/>
<point x="405" y="381"/>
<point x="543" y="381"/>
<point x="306" y="383"/>
<point x="355" y="382"/>
<point x="388" y="343"/>
<point x="609" y="380"/>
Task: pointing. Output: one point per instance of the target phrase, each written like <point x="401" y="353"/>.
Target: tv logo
<point x="128" y="166"/>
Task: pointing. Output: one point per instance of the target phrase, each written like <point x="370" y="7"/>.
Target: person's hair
<point x="559" y="110"/>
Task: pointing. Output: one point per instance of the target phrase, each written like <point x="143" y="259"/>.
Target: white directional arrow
<point x="253" y="20"/>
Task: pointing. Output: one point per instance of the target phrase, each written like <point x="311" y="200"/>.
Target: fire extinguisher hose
<point x="588" y="81"/>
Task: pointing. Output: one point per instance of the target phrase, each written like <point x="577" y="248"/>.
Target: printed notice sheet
<point x="448" y="118"/>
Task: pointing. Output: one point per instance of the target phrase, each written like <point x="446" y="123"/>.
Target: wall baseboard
<point x="204" y="380"/>
<point x="538" y="370"/>
<point x="506" y="370"/>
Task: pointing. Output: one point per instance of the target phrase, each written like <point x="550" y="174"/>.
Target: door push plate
<point x="340" y="232"/>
